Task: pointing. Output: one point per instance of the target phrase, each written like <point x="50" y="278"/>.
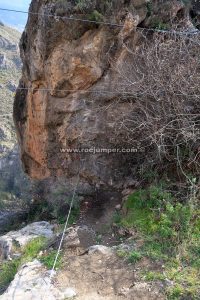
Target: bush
<point x="162" y="118"/>
<point x="7" y="273"/>
<point x="156" y="213"/>
<point x="96" y="16"/>
<point x="134" y="256"/>
<point x="170" y="231"/>
<point x="151" y="198"/>
<point x="174" y="224"/>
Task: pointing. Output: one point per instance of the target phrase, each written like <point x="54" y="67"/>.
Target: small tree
<point x="160" y="81"/>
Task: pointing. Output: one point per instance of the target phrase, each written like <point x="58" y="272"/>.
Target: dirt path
<point x="98" y="214"/>
<point x="103" y="276"/>
<point x="100" y="276"/>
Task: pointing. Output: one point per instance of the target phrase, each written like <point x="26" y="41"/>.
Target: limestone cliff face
<point x="78" y="63"/>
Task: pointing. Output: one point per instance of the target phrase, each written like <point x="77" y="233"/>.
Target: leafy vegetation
<point x="48" y="260"/>
<point x="134" y="256"/>
<point x="170" y="230"/>
<point x="95" y="16"/>
<point x="32" y="249"/>
<point x="30" y="252"/>
<point x="7" y="273"/>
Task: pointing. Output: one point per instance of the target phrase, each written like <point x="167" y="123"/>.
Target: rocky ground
<point x="91" y="268"/>
<point x="98" y="274"/>
<point x="99" y="258"/>
<point x="101" y="274"/>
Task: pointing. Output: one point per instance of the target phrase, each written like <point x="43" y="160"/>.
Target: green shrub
<point x="175" y="292"/>
<point x="95" y="16"/>
<point x="10" y="268"/>
<point x="134" y="257"/>
<point x="122" y="253"/>
<point x="152" y="197"/>
<point x="154" y="212"/>
<point x="48" y="260"/>
<point x="154" y="249"/>
<point x="171" y="231"/>
<point x="32" y="249"/>
<point x="117" y="218"/>
<point x="186" y="283"/>
<point x="174" y="223"/>
<point x="153" y="276"/>
<point x="7" y="273"/>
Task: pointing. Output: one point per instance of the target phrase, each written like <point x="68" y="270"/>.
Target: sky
<point x="13" y="19"/>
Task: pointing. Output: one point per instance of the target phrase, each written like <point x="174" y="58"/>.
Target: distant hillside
<point x="10" y="69"/>
<point x="14" y="185"/>
<point x="14" y="19"/>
